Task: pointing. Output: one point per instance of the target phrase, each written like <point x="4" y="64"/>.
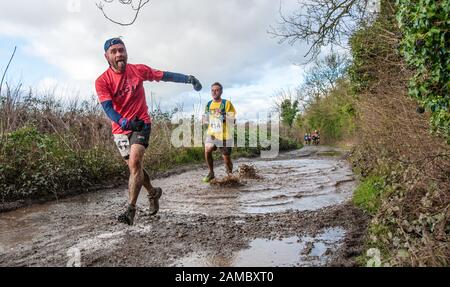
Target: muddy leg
<point x="147" y="183"/>
<point x="228" y="164"/>
<point x="136" y="172"/>
<point x="209" y="148"/>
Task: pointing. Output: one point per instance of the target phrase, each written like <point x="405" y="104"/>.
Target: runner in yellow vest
<point x="219" y="114"/>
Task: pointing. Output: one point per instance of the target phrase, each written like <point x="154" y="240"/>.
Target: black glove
<point x="135" y="125"/>
<point x="196" y="83"/>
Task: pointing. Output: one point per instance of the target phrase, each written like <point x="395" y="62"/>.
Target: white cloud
<point x="222" y="41"/>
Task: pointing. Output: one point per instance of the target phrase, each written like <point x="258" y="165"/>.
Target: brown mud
<point x="296" y="212"/>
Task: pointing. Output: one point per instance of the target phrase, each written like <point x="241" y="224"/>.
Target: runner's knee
<point x="135" y="161"/>
<point x="135" y="166"/>
<point x="209" y="148"/>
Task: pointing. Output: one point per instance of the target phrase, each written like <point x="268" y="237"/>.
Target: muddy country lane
<point x="296" y="214"/>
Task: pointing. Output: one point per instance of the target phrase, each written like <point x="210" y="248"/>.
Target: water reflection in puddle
<point x="292" y="251"/>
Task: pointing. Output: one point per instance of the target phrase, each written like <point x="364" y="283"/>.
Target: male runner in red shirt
<point x="121" y="92"/>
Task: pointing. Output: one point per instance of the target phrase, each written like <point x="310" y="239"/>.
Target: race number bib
<point x="216" y="125"/>
<point x="123" y="144"/>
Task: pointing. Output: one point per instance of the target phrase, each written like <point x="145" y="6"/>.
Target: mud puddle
<point x="288" y="252"/>
<point x="285" y="213"/>
<point x="292" y="184"/>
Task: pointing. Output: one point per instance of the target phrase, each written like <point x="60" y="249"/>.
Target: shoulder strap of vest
<point x="223" y="106"/>
<point x="208" y="107"/>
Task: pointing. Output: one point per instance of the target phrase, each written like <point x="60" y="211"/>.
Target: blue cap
<point x="111" y="42"/>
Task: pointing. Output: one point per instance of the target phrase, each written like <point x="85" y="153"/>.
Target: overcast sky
<point x="220" y="40"/>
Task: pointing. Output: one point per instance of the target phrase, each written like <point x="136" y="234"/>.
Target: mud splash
<point x="248" y="171"/>
<point x="227" y="181"/>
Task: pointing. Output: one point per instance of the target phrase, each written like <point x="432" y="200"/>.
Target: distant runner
<point x="307" y="139"/>
<point x="121" y="93"/>
<point x="219" y="113"/>
<point x="316" y="137"/>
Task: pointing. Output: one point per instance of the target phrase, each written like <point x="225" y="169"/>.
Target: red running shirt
<point x="126" y="91"/>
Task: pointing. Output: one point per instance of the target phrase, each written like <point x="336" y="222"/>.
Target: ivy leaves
<point x="426" y="47"/>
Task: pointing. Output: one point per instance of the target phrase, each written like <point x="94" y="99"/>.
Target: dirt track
<point x="297" y="214"/>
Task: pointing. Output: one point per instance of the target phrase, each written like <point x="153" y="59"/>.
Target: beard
<point x="119" y="65"/>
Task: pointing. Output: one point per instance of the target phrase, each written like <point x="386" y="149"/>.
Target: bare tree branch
<point x="137" y="10"/>
<point x="6" y="70"/>
<point x="323" y="76"/>
<point x="322" y="22"/>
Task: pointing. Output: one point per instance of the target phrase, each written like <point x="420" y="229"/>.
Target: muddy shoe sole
<point x="127" y="217"/>
<point x="154" y="201"/>
<point x="208" y="178"/>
